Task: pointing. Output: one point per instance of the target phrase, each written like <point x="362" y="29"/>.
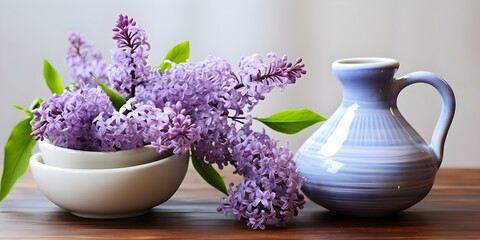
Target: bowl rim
<point x="71" y="158"/>
<point x="37" y="161"/>
<point x="47" y="144"/>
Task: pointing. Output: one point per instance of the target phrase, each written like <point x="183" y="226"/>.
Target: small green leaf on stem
<point x="291" y="121"/>
<point x="209" y="174"/>
<point x="117" y="100"/>
<point x="52" y="78"/>
<point x="26" y="111"/>
<point x="18" y="151"/>
<point x="36" y="104"/>
<point x="177" y="54"/>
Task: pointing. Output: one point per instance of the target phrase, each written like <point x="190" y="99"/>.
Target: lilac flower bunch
<point x="269" y="193"/>
<point x="215" y="98"/>
<point x="136" y="124"/>
<point x="129" y="68"/>
<point x="169" y="128"/>
<point x="84" y="60"/>
<point x="198" y="107"/>
<point x="84" y="118"/>
<point x="257" y="78"/>
<point x="66" y="119"/>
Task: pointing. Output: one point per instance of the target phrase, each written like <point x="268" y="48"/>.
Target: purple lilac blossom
<point x="204" y="89"/>
<point x="136" y="124"/>
<point x="118" y="131"/>
<point x="84" y="60"/>
<point x="257" y="79"/>
<point x="215" y="98"/>
<point x="129" y="68"/>
<point x="213" y="95"/>
<point x="170" y="129"/>
<point x="66" y="119"/>
<point x="269" y="193"/>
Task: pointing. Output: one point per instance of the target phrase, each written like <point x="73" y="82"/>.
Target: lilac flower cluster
<point x="269" y="193"/>
<point x="257" y="79"/>
<point x="66" y="119"/>
<point x="129" y="68"/>
<point x="195" y="107"/>
<point x="215" y="98"/>
<point x="118" y="131"/>
<point x="83" y="118"/>
<point x="169" y="128"/>
<point x="84" y="60"/>
<point x="214" y="95"/>
<point x="205" y="89"/>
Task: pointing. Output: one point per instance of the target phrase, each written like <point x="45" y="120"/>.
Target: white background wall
<point x="438" y="36"/>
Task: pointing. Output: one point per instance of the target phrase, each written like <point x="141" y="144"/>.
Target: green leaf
<point x="209" y="174"/>
<point x="52" y="78"/>
<point x="177" y="54"/>
<point x="18" y="151"/>
<point x="36" y="103"/>
<point x="291" y="121"/>
<point x="26" y="111"/>
<point x="117" y="100"/>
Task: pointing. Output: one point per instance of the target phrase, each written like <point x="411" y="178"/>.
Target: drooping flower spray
<point x="200" y="107"/>
<point x="217" y="100"/>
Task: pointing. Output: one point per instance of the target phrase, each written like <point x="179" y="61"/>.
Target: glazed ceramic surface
<point x="366" y="160"/>
<point x="71" y="158"/>
<point x="110" y="193"/>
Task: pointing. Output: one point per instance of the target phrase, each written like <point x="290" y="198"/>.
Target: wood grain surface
<point x="450" y="211"/>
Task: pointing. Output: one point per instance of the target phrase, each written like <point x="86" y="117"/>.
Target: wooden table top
<point x="450" y="211"/>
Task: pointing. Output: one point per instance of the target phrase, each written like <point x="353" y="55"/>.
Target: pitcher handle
<point x="448" y="106"/>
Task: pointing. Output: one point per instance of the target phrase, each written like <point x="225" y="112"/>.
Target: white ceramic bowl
<point x="110" y="193"/>
<point x="71" y="158"/>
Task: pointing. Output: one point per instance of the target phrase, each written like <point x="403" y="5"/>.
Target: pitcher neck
<point x="367" y="80"/>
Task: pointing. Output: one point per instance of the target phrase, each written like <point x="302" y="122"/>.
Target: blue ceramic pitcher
<point x="366" y="160"/>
